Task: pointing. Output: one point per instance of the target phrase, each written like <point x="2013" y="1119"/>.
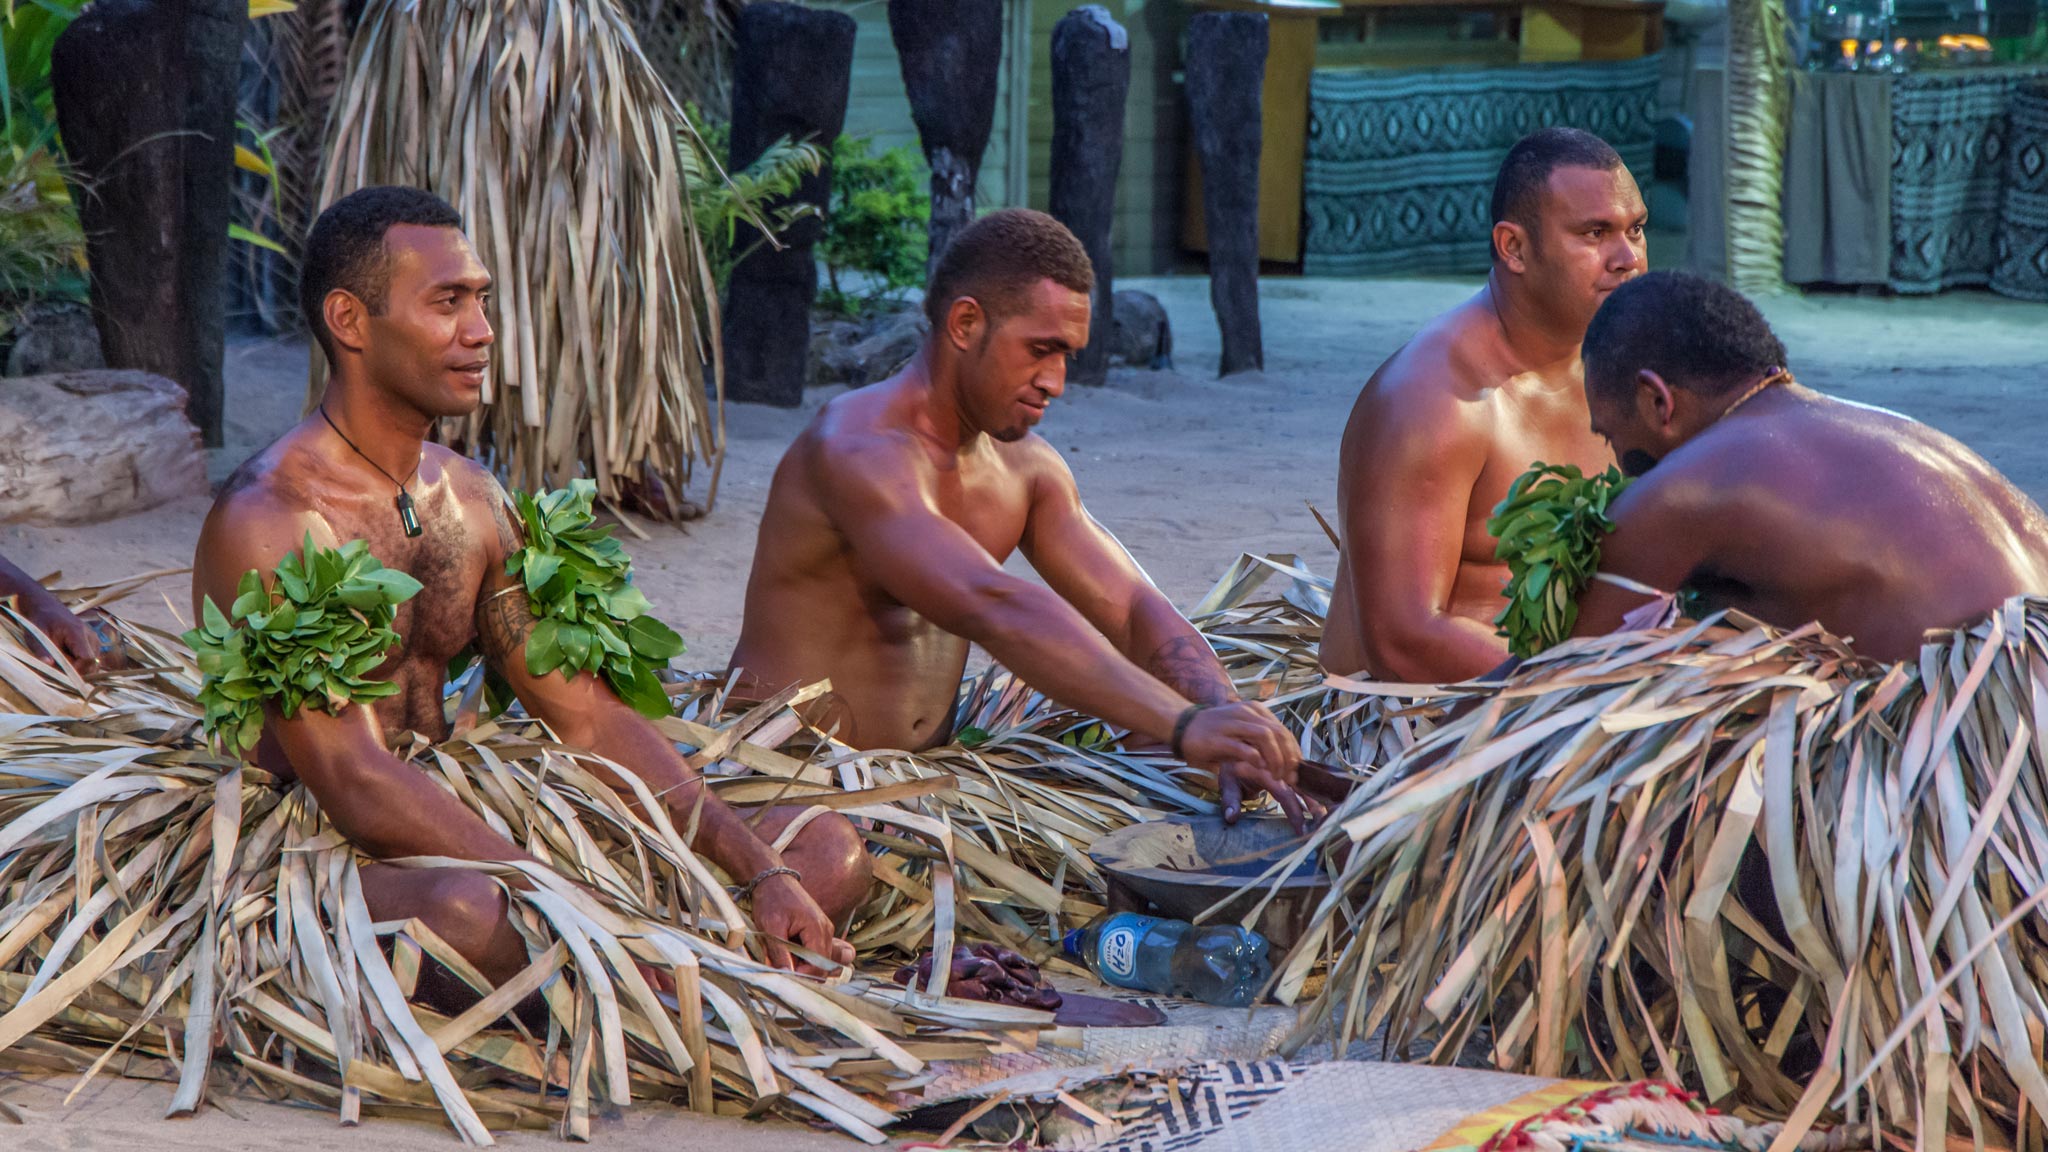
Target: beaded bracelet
<point x="769" y="874"/>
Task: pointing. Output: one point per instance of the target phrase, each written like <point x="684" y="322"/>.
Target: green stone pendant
<point x="406" y="515"/>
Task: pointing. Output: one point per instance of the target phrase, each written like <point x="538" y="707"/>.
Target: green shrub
<point x="719" y="203"/>
<point x="878" y="223"/>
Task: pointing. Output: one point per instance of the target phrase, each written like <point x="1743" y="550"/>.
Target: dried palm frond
<point x="1758" y="95"/>
<point x="160" y="905"/>
<point x="545" y="127"/>
<point x="690" y="46"/>
<point x="1270" y="648"/>
<point x="1725" y="855"/>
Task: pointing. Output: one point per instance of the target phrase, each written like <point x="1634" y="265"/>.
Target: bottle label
<point x="1116" y="949"/>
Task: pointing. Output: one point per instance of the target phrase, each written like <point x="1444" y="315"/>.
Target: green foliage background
<point x="878" y="223"/>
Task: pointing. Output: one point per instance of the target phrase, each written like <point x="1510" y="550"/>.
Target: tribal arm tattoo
<point x="503" y="622"/>
<point x="1189" y="666"/>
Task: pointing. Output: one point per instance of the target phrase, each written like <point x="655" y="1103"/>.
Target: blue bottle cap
<point x="1071" y="942"/>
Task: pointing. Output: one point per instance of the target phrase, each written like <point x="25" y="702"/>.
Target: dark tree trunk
<point x="1091" y="74"/>
<point x="145" y="93"/>
<point x="791" y="71"/>
<point x="1226" y="67"/>
<point x="951" y="50"/>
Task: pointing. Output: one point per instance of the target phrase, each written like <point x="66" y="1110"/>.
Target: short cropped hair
<point x="1518" y="187"/>
<point x="346" y="250"/>
<point x="1697" y="334"/>
<point x="998" y="258"/>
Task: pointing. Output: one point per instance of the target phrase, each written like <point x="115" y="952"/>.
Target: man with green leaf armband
<point x="1756" y="494"/>
<point x="344" y="568"/>
<point x="1442" y="429"/>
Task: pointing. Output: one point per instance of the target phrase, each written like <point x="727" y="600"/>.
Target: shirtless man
<point x="399" y="303"/>
<point x="881" y="550"/>
<point x="1761" y="495"/>
<point x="1478" y="395"/>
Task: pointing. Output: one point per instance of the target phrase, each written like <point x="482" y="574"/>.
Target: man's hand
<point x="1248" y="750"/>
<point x="785" y="913"/>
<point x="72" y="635"/>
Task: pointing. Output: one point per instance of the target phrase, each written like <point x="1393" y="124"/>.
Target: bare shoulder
<point x="1431" y="399"/>
<point x="855" y="438"/>
<point x="262" y="513"/>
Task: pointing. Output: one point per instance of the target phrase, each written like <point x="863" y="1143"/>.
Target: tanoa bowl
<point x="1181" y="867"/>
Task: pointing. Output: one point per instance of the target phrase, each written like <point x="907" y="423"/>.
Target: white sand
<point x="1187" y="470"/>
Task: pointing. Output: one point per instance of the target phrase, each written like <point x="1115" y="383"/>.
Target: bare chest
<point x="1523" y="438"/>
<point x="449" y="558"/>
<point x="992" y="504"/>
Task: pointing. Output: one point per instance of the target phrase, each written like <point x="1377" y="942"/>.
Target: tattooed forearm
<point x="503" y="621"/>
<point x="1187" y="665"/>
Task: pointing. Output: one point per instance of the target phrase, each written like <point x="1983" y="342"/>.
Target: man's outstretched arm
<point x="1094" y="573"/>
<point x="872" y="492"/>
<point x="1404" y="529"/>
<point x="585" y="713"/>
<point x="1663" y="533"/>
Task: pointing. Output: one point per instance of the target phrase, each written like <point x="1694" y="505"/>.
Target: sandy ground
<point x="1186" y="469"/>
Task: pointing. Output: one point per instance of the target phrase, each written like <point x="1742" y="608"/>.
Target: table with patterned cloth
<point x="1949" y="174"/>
<point x="2022" y="258"/>
<point x="1399" y="172"/>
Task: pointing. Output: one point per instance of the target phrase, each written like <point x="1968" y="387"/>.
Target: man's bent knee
<point x="834" y="860"/>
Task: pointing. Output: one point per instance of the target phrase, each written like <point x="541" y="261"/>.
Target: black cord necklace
<point x="406" y="516"/>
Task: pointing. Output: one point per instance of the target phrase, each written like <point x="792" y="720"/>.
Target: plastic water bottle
<point x="1221" y="964"/>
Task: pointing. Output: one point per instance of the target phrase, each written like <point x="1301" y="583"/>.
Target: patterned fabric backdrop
<point x="1948" y="173"/>
<point x="1401" y="162"/>
<point x="2022" y="256"/>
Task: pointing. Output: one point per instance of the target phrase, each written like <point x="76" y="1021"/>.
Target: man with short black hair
<point x="1448" y="422"/>
<point x="1758" y="494"/>
<point x="400" y="304"/>
<point x="881" y="551"/>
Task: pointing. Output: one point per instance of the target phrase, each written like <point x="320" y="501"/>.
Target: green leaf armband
<point x="311" y="637"/>
<point x="1549" y="532"/>
<point x="579" y="583"/>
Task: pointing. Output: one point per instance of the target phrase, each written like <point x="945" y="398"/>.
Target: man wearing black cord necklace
<point x="399" y="304"/>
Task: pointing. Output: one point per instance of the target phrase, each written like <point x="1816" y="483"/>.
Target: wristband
<point x="766" y="875"/>
<point x="1180" y="728"/>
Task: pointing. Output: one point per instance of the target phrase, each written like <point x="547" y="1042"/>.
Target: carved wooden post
<point x="145" y="93"/>
<point x="950" y="50"/>
<point x="1226" y="67"/>
<point x="1091" y="73"/>
<point x="791" y="69"/>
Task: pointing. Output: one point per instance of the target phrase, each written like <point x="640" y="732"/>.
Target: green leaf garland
<point x="1549" y="531"/>
<point x="579" y="582"/>
<point x="312" y="637"/>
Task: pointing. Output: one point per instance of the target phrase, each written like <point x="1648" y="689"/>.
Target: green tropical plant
<point x="877" y="223"/>
<point x="312" y="637"/>
<point x="1549" y="531"/>
<point x="720" y="201"/>
<point x="579" y="583"/>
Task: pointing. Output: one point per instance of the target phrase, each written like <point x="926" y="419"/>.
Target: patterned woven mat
<point x="1949" y="142"/>
<point x="1400" y="165"/>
